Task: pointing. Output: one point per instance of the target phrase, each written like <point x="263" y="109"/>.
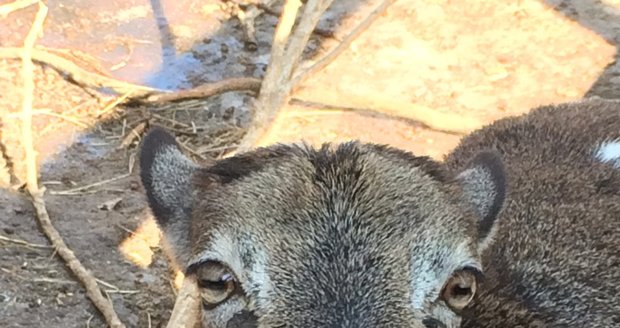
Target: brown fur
<point x="556" y="258"/>
<point x="360" y="235"/>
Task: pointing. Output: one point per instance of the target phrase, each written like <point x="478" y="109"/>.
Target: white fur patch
<point x="222" y="249"/>
<point x="609" y="152"/>
<point x="427" y="280"/>
<point x="255" y="280"/>
<point x="423" y="282"/>
<point x="260" y="281"/>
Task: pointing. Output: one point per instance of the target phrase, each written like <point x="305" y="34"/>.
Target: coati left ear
<point x="166" y="176"/>
<point x="484" y="185"/>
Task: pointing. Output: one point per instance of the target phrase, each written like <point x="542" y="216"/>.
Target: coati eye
<point x="460" y="289"/>
<point x="217" y="283"/>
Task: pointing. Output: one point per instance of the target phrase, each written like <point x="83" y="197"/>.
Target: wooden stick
<point x="82" y="274"/>
<point x="27" y="98"/>
<point x="285" y="56"/>
<point x="32" y="184"/>
<point x="208" y="90"/>
<point x="134" y="134"/>
<point x="78" y="190"/>
<point x="309" y="19"/>
<point x="282" y="32"/>
<point x="186" y="312"/>
<point x="129" y="91"/>
<point x="112" y="104"/>
<point x="76" y="73"/>
<point x="22" y="242"/>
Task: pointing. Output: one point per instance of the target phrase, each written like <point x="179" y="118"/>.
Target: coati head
<point x="353" y="235"/>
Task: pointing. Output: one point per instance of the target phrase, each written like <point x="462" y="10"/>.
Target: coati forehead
<point x="356" y="232"/>
<point x="330" y="212"/>
<point x="294" y="188"/>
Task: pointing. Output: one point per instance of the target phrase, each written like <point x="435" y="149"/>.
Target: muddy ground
<point x="454" y="61"/>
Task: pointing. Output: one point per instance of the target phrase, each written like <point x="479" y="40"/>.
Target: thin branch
<point x="32" y="184"/>
<point x="186" y="312"/>
<point x="309" y="19"/>
<point x="208" y="90"/>
<point x="129" y="91"/>
<point x="76" y="73"/>
<point x="342" y="46"/>
<point x="272" y="85"/>
<point x="81" y="273"/>
<point x="430" y="118"/>
<point x="282" y="33"/>
<point x="326" y="33"/>
<point x="28" y="95"/>
<point x="247" y="18"/>
<point x="133" y="135"/>
<point x="78" y="190"/>
<point x="23" y="242"/>
<point x="286" y="53"/>
<point x="112" y="104"/>
<point x="5" y="10"/>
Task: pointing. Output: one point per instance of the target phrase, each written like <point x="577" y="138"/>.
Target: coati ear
<point x="166" y="176"/>
<point x="484" y="185"/>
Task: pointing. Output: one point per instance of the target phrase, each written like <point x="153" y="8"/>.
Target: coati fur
<point x="364" y="235"/>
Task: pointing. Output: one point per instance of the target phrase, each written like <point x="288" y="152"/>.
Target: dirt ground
<point x="423" y="67"/>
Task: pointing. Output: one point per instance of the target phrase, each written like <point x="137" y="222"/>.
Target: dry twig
<point x="54" y="281"/>
<point x="76" y="73"/>
<point x="186" y="312"/>
<point x="274" y="82"/>
<point x="79" y="190"/>
<point x="134" y="134"/>
<point x="87" y="279"/>
<point x="326" y="33"/>
<point x="247" y="18"/>
<point x="83" y="275"/>
<point x="208" y="90"/>
<point x="5" y="10"/>
<point x="28" y="95"/>
<point x="286" y="52"/>
<point x="112" y="104"/>
<point x="129" y="91"/>
<point x="23" y="242"/>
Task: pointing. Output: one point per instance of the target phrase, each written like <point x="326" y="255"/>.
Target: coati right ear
<point x="483" y="182"/>
<point x="166" y="176"/>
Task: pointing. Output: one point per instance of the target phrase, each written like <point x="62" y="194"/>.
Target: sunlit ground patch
<point x="138" y="247"/>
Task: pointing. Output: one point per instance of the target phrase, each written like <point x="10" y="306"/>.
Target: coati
<point x="518" y="227"/>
